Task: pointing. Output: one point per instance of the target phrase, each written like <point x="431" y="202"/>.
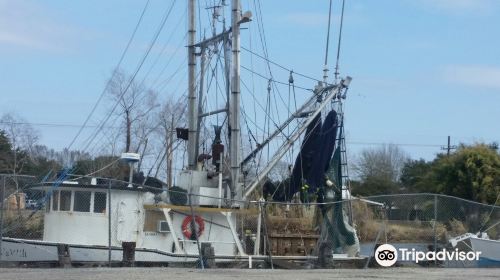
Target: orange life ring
<point x="186" y="226"/>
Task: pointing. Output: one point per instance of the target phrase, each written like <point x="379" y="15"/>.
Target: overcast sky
<point x="422" y="69"/>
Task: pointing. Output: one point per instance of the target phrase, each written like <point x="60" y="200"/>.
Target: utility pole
<point x="192" y="106"/>
<point x="449" y="147"/>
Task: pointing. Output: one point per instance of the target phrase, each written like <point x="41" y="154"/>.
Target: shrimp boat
<point x="206" y="216"/>
<point x="480" y="242"/>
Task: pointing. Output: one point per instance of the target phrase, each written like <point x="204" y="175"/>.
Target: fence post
<point x="109" y="223"/>
<point x="1" y="218"/>
<point x="194" y="231"/>
<point x="268" y="247"/>
<point x="256" y="249"/>
<point x="435" y="226"/>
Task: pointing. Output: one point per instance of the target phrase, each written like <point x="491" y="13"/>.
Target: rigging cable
<point x="339" y="42"/>
<point x="267" y="114"/>
<point x="172" y="55"/>
<point x="325" y="68"/>
<point x="152" y="43"/>
<point x="107" y="84"/>
<point x="164" y="48"/>
<point x="272" y="80"/>
<point x="279" y="65"/>
<point x="260" y="25"/>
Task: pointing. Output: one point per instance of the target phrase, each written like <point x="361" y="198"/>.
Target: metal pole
<point x="269" y="247"/>
<point x="109" y="223"/>
<point x="234" y="109"/>
<point x="192" y="110"/>
<point x="200" y="101"/>
<point x="170" y="153"/>
<point x="193" y="228"/>
<point x="131" y="174"/>
<point x="435" y="225"/>
<point x="259" y="229"/>
<point x="1" y="218"/>
<point x="382" y="227"/>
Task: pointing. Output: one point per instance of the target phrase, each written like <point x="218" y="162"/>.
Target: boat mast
<point x="234" y="104"/>
<point x="192" y="110"/>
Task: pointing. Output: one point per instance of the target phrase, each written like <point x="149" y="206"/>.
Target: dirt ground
<point x="261" y="274"/>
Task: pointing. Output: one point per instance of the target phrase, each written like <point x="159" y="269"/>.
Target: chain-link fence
<point x="99" y="221"/>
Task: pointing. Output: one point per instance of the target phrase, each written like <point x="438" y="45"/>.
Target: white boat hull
<point x="18" y="250"/>
<point x="38" y="251"/>
<point x="22" y="250"/>
<point x="490" y="251"/>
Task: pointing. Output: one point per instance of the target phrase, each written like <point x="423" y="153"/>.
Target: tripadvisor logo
<point x="387" y="255"/>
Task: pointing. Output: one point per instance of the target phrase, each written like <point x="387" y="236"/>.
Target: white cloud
<point x="27" y="25"/>
<point x="473" y="75"/>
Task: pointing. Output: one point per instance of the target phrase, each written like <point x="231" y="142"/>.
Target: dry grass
<point x="364" y="219"/>
<point x="456" y="228"/>
<point x="409" y="232"/>
<point x="293" y="219"/>
<point x="23" y="226"/>
<point x="368" y="225"/>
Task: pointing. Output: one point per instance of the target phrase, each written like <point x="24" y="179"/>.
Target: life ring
<point x="186" y="226"/>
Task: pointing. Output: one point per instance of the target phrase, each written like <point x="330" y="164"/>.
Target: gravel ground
<point x="263" y="274"/>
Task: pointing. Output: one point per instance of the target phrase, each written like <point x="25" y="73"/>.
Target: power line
<point x="164" y="48"/>
<point x="397" y="144"/>
<point x="109" y="81"/>
<point x="366" y="143"/>
<point x="451" y="147"/>
<point x="55" y="124"/>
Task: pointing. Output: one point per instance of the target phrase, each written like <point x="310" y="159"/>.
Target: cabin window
<point x="65" y="201"/>
<point x="82" y="201"/>
<point x="55" y="200"/>
<point x="99" y="202"/>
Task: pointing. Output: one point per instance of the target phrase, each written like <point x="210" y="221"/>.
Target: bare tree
<point x="22" y="138"/>
<point x="386" y="161"/>
<point x="280" y="172"/>
<point x="134" y="100"/>
<point x="171" y="115"/>
<point x="64" y="158"/>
